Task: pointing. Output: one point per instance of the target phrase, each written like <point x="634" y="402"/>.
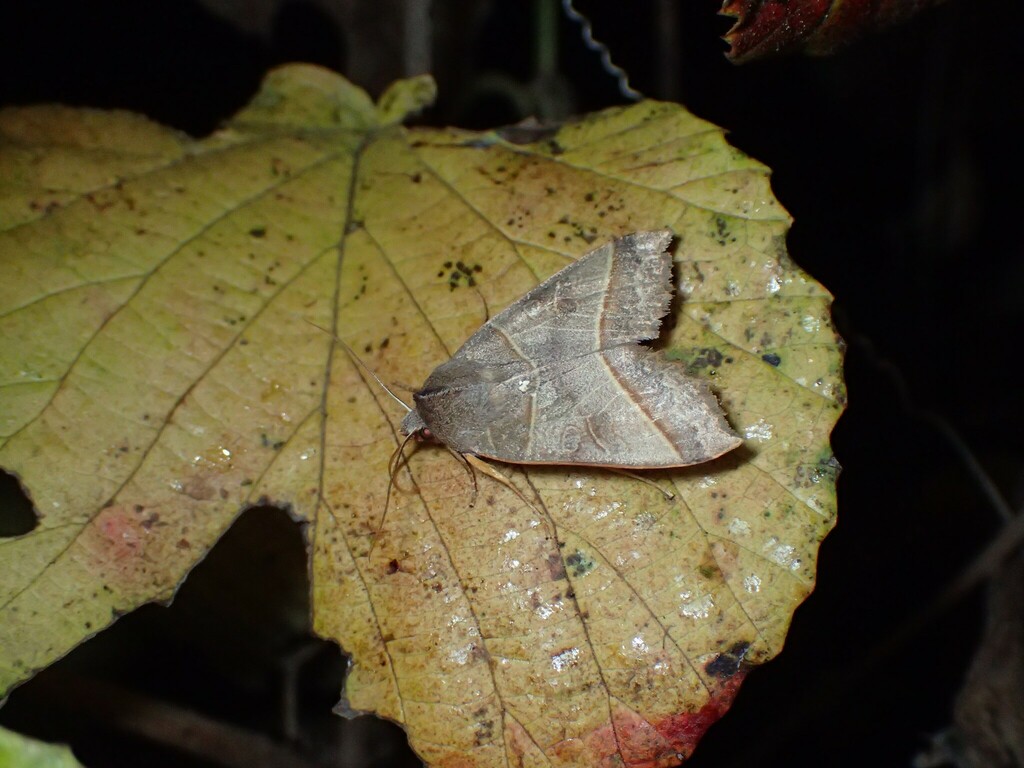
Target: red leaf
<point x="817" y="27"/>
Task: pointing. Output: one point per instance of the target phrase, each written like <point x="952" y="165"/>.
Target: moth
<point x="559" y="377"/>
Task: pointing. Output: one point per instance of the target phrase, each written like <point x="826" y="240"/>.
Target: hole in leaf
<point x="16" y="514"/>
<point x="233" y="655"/>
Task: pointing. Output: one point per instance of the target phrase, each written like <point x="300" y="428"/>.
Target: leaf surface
<point x="161" y="371"/>
<point x="23" y="752"/>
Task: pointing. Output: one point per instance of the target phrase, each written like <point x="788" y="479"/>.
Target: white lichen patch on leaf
<point x="161" y="371"/>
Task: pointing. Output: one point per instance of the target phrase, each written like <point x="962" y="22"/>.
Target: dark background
<point x="899" y="159"/>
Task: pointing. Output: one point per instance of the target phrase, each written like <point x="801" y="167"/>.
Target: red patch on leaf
<point x="686" y="729"/>
<point x="817" y="27"/>
<point x="115" y="542"/>
<point x="639" y="743"/>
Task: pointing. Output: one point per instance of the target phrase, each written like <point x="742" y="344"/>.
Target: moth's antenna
<point x="363" y="365"/>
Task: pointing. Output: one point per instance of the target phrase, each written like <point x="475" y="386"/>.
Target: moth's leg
<point x="619" y="471"/>
<point x="387" y="504"/>
<point x="395" y="463"/>
<point x="494" y="474"/>
<point x="487" y="309"/>
<point x="464" y="461"/>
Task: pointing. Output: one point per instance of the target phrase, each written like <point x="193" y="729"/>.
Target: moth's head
<point x="414" y="425"/>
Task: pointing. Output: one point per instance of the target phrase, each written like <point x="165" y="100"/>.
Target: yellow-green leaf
<point x="17" y="751"/>
<point x="160" y="371"/>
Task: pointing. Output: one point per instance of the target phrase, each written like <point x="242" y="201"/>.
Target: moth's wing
<point x="622" y="407"/>
<point x="558" y="377"/>
<point x="615" y="294"/>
